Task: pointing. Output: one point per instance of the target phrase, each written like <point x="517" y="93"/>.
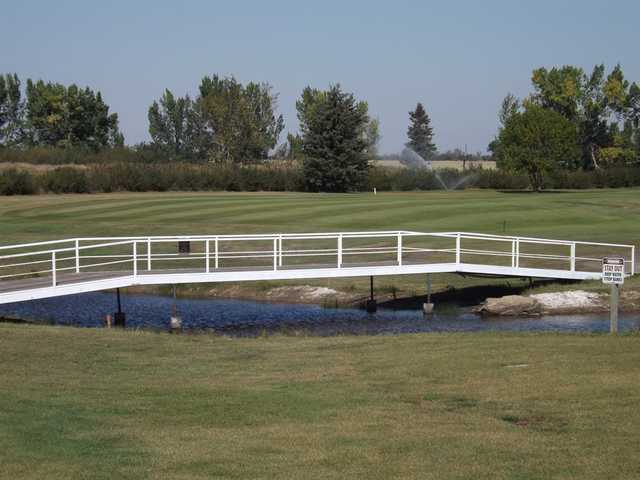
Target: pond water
<point x="247" y="318"/>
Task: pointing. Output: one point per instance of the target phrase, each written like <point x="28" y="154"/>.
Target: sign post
<point x="613" y="274"/>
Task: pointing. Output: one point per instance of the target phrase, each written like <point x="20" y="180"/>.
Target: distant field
<point x="590" y="215"/>
<point x="36" y="167"/>
<point x="441" y="164"/>
<point x="81" y="403"/>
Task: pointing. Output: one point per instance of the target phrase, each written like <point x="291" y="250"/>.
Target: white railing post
<point x="53" y="268"/>
<point x="340" y="251"/>
<point x="399" y="249"/>
<point x="517" y="253"/>
<point x="458" y="248"/>
<point x="206" y="255"/>
<point x="135" y="258"/>
<point x="573" y="257"/>
<point x="215" y="253"/>
<point x="280" y="250"/>
<point x="633" y="260"/>
<point x="77" y="256"/>
<point x="513" y="254"/>
<point x="149" y="253"/>
<point x="275" y="254"/>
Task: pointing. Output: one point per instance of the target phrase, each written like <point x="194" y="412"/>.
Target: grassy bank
<point x="592" y="215"/>
<point x="78" y="403"/>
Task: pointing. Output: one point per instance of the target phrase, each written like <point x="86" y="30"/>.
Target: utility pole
<point x="464" y="159"/>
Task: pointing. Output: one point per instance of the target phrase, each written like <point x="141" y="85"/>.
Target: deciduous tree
<point x="536" y="142"/>
<point x="171" y="125"/>
<point x="240" y="120"/>
<point x="61" y="116"/>
<point x="11" y="111"/>
<point x="594" y="103"/>
<point x="510" y="106"/>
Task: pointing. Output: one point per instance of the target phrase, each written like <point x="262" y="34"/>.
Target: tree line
<point x="227" y="122"/>
<point x="572" y="121"/>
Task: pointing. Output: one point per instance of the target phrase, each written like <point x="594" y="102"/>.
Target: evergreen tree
<point x="420" y="133"/>
<point x="312" y="97"/>
<point x="334" y="146"/>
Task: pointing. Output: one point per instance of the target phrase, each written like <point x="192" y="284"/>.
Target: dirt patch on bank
<point x="307" y="294"/>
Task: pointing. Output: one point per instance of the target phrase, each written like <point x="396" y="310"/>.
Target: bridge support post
<point x="175" y="322"/>
<point x="119" y="318"/>
<point x="371" y="305"/>
<point x="427" y="308"/>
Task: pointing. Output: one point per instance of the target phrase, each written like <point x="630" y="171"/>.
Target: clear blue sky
<point x="457" y="57"/>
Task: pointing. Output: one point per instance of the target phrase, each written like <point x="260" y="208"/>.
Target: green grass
<point x="593" y="215"/>
<point x="97" y="404"/>
<point x="80" y="403"/>
<point x="587" y="215"/>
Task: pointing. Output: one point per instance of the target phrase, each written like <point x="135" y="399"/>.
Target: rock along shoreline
<point x="557" y="303"/>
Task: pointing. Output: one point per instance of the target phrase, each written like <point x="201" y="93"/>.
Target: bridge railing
<point x="60" y="259"/>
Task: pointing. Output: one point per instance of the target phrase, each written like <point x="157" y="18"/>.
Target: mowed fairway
<point x="607" y="215"/>
<point x="100" y="404"/>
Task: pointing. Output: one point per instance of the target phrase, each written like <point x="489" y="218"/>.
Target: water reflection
<point x="245" y="318"/>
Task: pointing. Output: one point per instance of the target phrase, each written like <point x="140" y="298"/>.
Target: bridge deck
<point x="83" y="265"/>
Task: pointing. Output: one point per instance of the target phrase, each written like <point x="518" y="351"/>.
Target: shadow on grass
<point x="539" y="423"/>
<point x="535" y="191"/>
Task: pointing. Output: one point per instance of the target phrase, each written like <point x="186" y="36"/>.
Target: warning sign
<point x="613" y="270"/>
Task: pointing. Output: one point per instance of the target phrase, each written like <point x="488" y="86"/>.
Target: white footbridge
<point x="63" y="267"/>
